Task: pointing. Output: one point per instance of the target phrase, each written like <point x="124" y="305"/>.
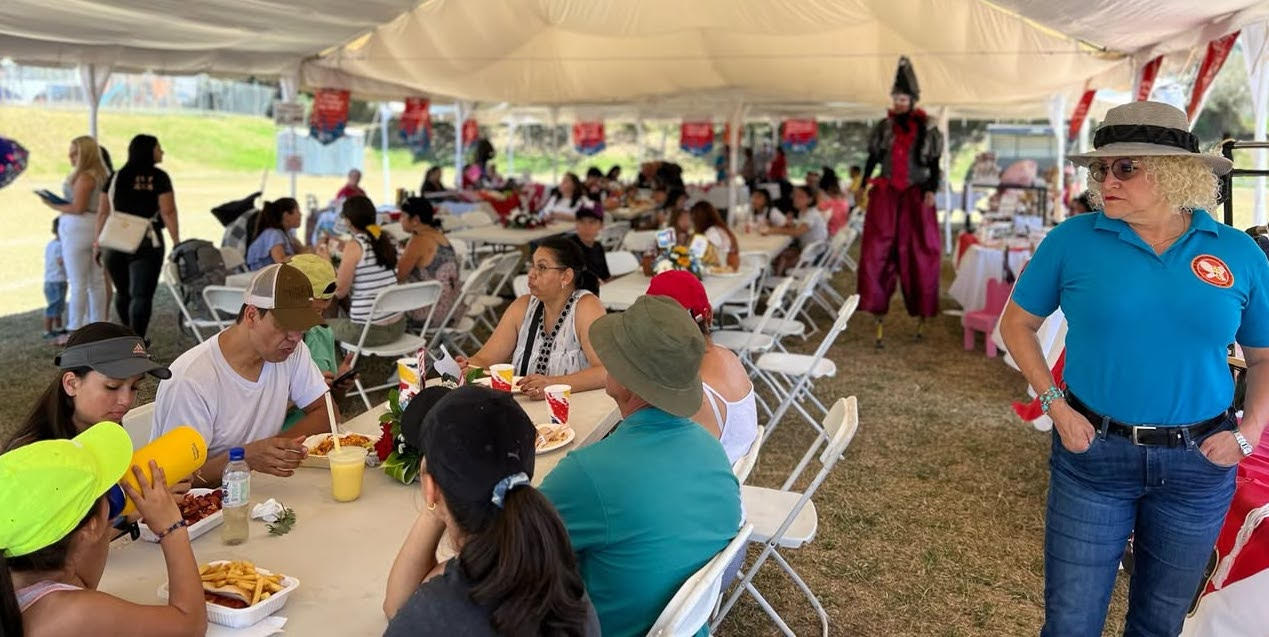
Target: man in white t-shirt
<point x="234" y="387"/>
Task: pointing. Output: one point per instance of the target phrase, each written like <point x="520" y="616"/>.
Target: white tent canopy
<point x="979" y="58"/>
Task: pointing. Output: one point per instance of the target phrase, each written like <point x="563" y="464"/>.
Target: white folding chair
<point x="744" y="465"/>
<point x="171" y="280"/>
<point x="224" y="302"/>
<point x="639" y="240"/>
<point x="139" y="423"/>
<point x="743" y="305"/>
<point x="394" y="300"/>
<point x="520" y="285"/>
<point x="612" y="234"/>
<point x="233" y="258"/>
<point x="852" y="235"/>
<point x="788" y="323"/>
<point x="788" y="519"/>
<point x="746" y="342"/>
<point x="621" y="263"/>
<point x="826" y="297"/>
<point x="791" y="376"/>
<point x="483" y="304"/>
<point x="456" y="326"/>
<point x="692" y="605"/>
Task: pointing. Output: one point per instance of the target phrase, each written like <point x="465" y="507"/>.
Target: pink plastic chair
<point x="985" y="320"/>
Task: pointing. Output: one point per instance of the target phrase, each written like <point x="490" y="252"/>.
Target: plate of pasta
<point x="552" y="437"/>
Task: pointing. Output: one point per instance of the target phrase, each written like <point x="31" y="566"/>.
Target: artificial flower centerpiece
<point x="400" y="460"/>
<point x="672" y="256"/>
<point x="521" y="220"/>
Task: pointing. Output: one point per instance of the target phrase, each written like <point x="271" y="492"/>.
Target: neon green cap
<point x="320" y="273"/>
<point x="47" y="487"/>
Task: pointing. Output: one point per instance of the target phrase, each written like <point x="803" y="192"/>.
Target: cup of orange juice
<point x="500" y="376"/>
<point x="347" y="468"/>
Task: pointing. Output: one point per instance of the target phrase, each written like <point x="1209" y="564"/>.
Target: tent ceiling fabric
<point x="967" y="53"/>
<point x="262" y="37"/>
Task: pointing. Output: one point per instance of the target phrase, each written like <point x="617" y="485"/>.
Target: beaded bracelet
<point x="171" y="529"/>
<point x="1051" y="394"/>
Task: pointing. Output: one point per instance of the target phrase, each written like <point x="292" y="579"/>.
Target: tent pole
<point x="511" y="147"/>
<point x="945" y="129"/>
<point x="93" y="78"/>
<point x="1262" y="113"/>
<point x="733" y="161"/>
<point x="639" y="155"/>
<point x="384" y="115"/>
<point x="555" y="147"/>
<point x="458" y="145"/>
<point x="1057" y="114"/>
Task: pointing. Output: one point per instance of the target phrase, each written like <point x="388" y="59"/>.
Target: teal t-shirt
<point x="321" y="345"/>
<point x="644" y="508"/>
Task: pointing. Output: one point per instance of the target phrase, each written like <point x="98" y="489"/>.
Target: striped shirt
<point x="369" y="279"/>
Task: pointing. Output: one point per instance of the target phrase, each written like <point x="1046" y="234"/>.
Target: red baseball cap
<point x="684" y="287"/>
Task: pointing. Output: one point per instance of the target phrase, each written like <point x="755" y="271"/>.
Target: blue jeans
<point x="1173" y="500"/>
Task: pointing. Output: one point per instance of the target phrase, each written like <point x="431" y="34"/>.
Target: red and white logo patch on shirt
<point x="1212" y="270"/>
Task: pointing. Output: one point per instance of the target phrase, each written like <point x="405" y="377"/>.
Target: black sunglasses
<point x="1123" y="169"/>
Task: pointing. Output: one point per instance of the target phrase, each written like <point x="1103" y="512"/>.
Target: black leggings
<point x="136" y="277"/>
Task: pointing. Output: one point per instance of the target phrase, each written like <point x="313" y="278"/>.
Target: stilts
<point x="920" y="331"/>
<point x="880" y="333"/>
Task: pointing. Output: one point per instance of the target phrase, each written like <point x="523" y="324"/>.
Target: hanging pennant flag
<point x="1217" y="51"/>
<point x="588" y="137"/>
<point x="1148" y="74"/>
<point x="696" y="138"/>
<point x="1080" y="114"/>
<point x="13" y="158"/>
<point x="416" y="126"/>
<point x="330" y="115"/>
<point x="471" y="132"/>
<point x="800" y="135"/>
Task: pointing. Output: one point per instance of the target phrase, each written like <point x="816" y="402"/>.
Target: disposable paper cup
<point x="500" y="376"/>
<point x="409" y="381"/>
<point x="347" y="468"/>
<point x="557" y="399"/>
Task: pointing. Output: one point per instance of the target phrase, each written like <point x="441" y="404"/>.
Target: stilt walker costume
<point x="901" y="235"/>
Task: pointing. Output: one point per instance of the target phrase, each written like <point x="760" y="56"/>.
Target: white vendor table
<point x="340" y="552"/>
<point x="978" y="264"/>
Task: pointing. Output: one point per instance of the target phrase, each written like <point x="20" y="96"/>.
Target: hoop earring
<point x="431" y="506"/>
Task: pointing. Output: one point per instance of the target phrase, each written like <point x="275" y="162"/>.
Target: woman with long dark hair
<point x="432" y="181"/>
<point x="100" y="372"/>
<point x="274" y="242"/>
<point x="55" y="537"/>
<point x="428" y="256"/>
<point x="565" y="199"/>
<point x="709" y="223"/>
<point x="515" y="572"/>
<point x="545" y="333"/>
<point x="140" y="188"/>
<point x="368" y="266"/>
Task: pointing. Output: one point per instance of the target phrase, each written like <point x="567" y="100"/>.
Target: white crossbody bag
<point x="123" y="231"/>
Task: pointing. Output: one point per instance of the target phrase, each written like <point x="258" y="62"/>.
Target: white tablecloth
<point x="340" y="552"/>
<point x="621" y="293"/>
<point x="978" y="264"/>
<point x="498" y="235"/>
<point x="771" y="245"/>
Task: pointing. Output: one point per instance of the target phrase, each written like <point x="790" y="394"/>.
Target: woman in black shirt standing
<point x="144" y="190"/>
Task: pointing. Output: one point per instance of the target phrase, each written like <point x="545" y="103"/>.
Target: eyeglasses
<point x="1123" y="169"/>
<point x="543" y="269"/>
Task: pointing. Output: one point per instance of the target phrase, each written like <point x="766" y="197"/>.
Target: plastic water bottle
<point x="236" y="485"/>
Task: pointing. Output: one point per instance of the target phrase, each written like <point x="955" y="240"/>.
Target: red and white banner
<point x="330" y="115"/>
<point x="800" y="135"/>
<point x="471" y="132"/>
<point x="1217" y="51"/>
<point x="416" y="125"/>
<point x="696" y="138"/>
<point x="588" y="137"/>
<point x="1145" y="83"/>
<point x="1079" y="115"/>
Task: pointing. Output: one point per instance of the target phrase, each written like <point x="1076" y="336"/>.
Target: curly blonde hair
<point x="1186" y="183"/>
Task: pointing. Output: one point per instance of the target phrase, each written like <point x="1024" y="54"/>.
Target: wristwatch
<point x="1242" y="443"/>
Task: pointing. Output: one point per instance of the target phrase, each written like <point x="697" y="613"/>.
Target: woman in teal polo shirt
<point x="1144" y="439"/>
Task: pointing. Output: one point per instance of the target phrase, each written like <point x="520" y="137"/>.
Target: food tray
<point x="196" y="529"/>
<point x="252" y="615"/>
<point x="321" y="462"/>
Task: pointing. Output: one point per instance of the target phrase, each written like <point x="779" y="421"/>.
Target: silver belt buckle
<point x="1135" y="441"/>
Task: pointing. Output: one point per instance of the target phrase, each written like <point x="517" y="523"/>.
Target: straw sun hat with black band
<point x="1148" y="129"/>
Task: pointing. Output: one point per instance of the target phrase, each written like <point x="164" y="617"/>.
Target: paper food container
<point x="252" y="615"/>
<point x="320" y="462"/>
<point x="197" y="529"/>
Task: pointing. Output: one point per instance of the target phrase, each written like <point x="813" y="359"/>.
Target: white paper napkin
<point x="271" y="625"/>
<point x="269" y="511"/>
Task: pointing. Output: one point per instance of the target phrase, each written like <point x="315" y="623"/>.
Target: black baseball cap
<point x="414" y="413"/>
<point x="473" y="438"/>
<point x="120" y="357"/>
<point x="589" y="212"/>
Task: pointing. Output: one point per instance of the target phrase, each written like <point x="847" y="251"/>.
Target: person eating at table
<point x="650" y="504"/>
<point x="234" y="387"/>
<point x="590" y="223"/>
<point x="708" y="222"/>
<point x="99" y="374"/>
<point x="55" y="538"/>
<point x="806" y="226"/>
<point x="730" y="409"/>
<point x="515" y="572"/>
<point x="565" y="200"/>
<point x="544" y="334"/>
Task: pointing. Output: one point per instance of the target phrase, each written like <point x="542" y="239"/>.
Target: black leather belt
<point x="1148" y="435"/>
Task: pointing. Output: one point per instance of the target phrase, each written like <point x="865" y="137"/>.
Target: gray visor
<point x="122" y="357"/>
